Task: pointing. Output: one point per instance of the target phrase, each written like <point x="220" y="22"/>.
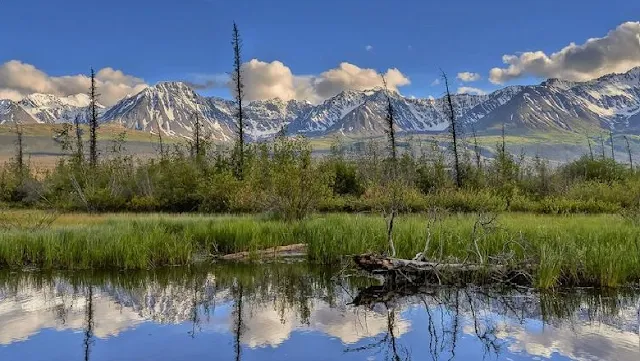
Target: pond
<point x="300" y="312"/>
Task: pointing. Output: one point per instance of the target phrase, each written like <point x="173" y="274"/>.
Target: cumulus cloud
<point x="18" y="79"/>
<point x="468" y="76"/>
<point x="618" y="51"/>
<point x="470" y="90"/>
<point x="435" y="82"/>
<point x="368" y="48"/>
<point x="264" y="80"/>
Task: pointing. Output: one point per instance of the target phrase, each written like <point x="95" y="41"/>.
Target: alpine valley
<point x="611" y="102"/>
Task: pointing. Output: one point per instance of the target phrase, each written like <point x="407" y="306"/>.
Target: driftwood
<point x="291" y="251"/>
<point x="422" y="272"/>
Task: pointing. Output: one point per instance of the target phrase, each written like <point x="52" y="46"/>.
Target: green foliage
<point x="286" y="182"/>
<point x="582" y="250"/>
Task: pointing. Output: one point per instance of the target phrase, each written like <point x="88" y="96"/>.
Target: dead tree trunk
<point x="393" y="176"/>
<point x="629" y="152"/>
<point x="19" y="151"/>
<point x="238" y="89"/>
<point x="453" y="129"/>
<point x="613" y="155"/>
<point x="79" y="144"/>
<point x="93" y="121"/>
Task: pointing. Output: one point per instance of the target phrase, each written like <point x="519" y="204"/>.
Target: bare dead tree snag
<point x="613" y="155"/>
<point x="197" y="150"/>
<point x="238" y="89"/>
<point x="93" y="121"/>
<point x="476" y="147"/>
<point x="390" y="123"/>
<point x="393" y="177"/>
<point x="19" y="151"/>
<point x="590" y="147"/>
<point x="453" y="129"/>
<point x="79" y="144"/>
<point x="160" y="143"/>
<point x="629" y="152"/>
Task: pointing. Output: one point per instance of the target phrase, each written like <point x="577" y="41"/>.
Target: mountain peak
<point x="172" y="86"/>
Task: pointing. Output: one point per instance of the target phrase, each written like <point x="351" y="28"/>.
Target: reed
<point x="594" y="250"/>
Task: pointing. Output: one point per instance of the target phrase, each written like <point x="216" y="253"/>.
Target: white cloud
<point x="435" y="82"/>
<point x="18" y="79"/>
<point x="368" y="47"/>
<point x="468" y="76"/>
<point x="618" y="51"/>
<point x="470" y="90"/>
<point x="264" y="80"/>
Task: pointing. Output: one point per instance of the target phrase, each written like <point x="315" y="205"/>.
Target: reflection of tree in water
<point x="88" y="330"/>
<point x="294" y="290"/>
<point x="238" y="326"/>
<point x="388" y="342"/>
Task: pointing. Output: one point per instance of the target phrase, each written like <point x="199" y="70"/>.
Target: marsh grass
<point x="585" y="250"/>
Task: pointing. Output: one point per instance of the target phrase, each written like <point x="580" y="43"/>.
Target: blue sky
<point x="175" y="40"/>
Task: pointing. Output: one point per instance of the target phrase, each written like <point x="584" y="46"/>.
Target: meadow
<point x="568" y="250"/>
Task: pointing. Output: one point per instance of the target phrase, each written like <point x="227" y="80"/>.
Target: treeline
<point x="282" y="178"/>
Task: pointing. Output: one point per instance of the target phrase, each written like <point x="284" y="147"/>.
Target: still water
<point x="300" y="312"/>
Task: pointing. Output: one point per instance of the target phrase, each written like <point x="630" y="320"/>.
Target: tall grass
<point x="599" y="250"/>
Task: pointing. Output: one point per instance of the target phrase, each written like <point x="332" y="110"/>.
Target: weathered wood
<point x="396" y="270"/>
<point x="294" y="250"/>
<point x="373" y="263"/>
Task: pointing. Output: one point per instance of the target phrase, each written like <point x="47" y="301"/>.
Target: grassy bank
<point x="600" y="250"/>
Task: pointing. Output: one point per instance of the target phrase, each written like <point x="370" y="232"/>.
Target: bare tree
<point x="93" y="121"/>
<point x="79" y="144"/>
<point x="476" y="147"/>
<point x="393" y="176"/>
<point x="197" y="150"/>
<point x="238" y="89"/>
<point x="389" y="119"/>
<point x="629" y="152"/>
<point x="160" y="143"/>
<point x="602" y="146"/>
<point x="590" y="147"/>
<point x="19" y="151"/>
<point x="453" y="129"/>
<point x="613" y="155"/>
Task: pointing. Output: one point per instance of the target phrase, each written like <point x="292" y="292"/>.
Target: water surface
<point x="300" y="312"/>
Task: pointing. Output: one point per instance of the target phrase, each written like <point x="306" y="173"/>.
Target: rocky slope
<point x="610" y="102"/>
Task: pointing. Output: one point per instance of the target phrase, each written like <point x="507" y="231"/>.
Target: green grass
<point x="598" y="250"/>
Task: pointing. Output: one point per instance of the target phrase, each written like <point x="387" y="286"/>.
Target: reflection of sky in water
<point x="155" y="324"/>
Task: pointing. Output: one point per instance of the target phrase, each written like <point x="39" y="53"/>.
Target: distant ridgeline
<point x="611" y="102"/>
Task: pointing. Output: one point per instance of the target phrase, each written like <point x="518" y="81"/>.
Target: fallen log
<point x="290" y="251"/>
<point x="443" y="273"/>
<point x="372" y="263"/>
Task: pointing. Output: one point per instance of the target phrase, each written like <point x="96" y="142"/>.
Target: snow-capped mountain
<point x="173" y="107"/>
<point x="611" y="102"/>
<point x="265" y="117"/>
<point x="12" y="112"/>
<point x="47" y="108"/>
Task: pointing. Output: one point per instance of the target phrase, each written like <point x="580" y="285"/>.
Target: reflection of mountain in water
<point x="264" y="307"/>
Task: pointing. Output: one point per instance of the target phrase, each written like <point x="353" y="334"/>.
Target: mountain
<point x="47" y="108"/>
<point x="173" y="107"/>
<point x="11" y="112"/>
<point x="50" y="109"/>
<point x="265" y="118"/>
<point x="610" y="102"/>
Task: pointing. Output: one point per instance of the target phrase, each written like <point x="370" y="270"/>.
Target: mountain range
<point x="611" y="102"/>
